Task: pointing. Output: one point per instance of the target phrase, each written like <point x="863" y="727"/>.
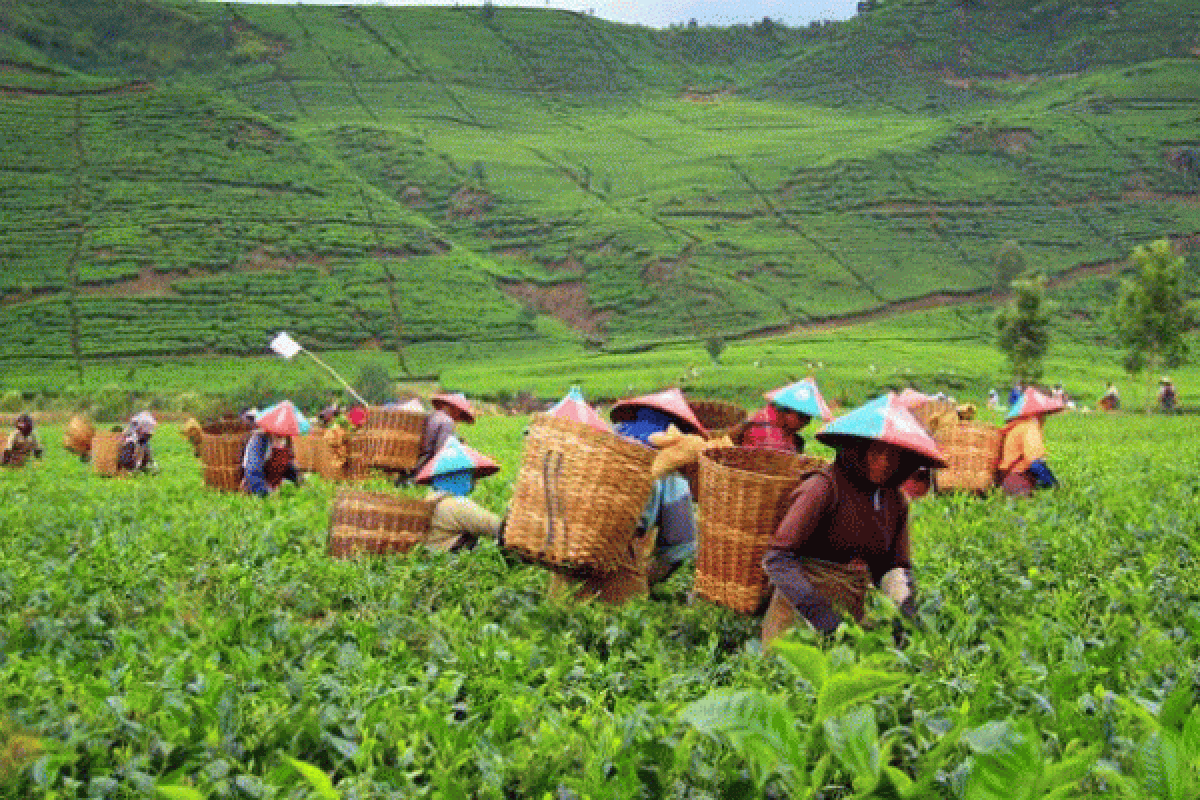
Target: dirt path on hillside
<point x="941" y="300"/>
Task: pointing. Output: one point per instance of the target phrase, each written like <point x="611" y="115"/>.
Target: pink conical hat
<point x="670" y="401"/>
<point x="456" y="400"/>
<point x="456" y="457"/>
<point x="574" y="407"/>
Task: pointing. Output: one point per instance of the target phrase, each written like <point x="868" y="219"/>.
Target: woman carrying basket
<point x="788" y="411"/>
<point x="135" y="451"/>
<point x="441" y="424"/>
<point x="22" y="443"/>
<point x="458" y="522"/>
<point x="846" y="528"/>
<point x="269" y="459"/>
<point x="1022" y="467"/>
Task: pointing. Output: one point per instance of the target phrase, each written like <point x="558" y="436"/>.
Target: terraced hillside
<point x="367" y="175"/>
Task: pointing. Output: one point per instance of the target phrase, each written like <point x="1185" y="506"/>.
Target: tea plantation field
<point x="159" y="638"/>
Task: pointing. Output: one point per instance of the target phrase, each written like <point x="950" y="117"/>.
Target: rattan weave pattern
<point x="972" y="450"/>
<point x="376" y="522"/>
<point x="106" y="446"/>
<point x="743" y="496"/>
<point x="393" y="438"/>
<point x="222" y="454"/>
<point x="578" y="496"/>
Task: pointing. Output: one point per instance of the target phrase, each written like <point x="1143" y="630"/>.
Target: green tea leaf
<point x="316" y="778"/>
<point x="178" y="793"/>
<point x="856" y="685"/>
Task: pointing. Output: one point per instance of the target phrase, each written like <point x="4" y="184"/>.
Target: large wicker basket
<point x="717" y="416"/>
<point x="376" y="522"/>
<point x="222" y="454"/>
<point x="358" y="465"/>
<point x="305" y="450"/>
<point x="78" y="435"/>
<point x="936" y="414"/>
<point x="743" y="496"/>
<point x="972" y="451"/>
<point x="578" y="496"/>
<point x="393" y="438"/>
<point x="106" y="447"/>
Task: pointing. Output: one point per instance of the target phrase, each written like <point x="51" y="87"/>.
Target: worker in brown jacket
<point x="846" y="528"/>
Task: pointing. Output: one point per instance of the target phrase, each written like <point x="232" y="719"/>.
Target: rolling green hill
<point x="185" y="178"/>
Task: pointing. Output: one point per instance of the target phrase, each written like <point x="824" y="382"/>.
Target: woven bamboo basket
<point x="226" y="425"/>
<point x="106" y="447"/>
<point x="78" y="435"/>
<point x="393" y="438"/>
<point x="717" y="416"/>
<point x="305" y="450"/>
<point x="222" y="456"/>
<point x="578" y="496"/>
<point x="743" y="496"/>
<point x="972" y="451"/>
<point x="935" y="413"/>
<point x="358" y="466"/>
<point x="376" y="522"/>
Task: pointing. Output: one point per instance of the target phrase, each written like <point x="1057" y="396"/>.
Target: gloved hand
<point x="678" y="450"/>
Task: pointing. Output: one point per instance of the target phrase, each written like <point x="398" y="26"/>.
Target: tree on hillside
<point x="1008" y="264"/>
<point x="1023" y="328"/>
<point x="1152" y="313"/>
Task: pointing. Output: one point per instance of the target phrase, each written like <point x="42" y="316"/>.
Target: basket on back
<point x="936" y="414"/>
<point x="336" y="455"/>
<point x="304" y="449"/>
<point x="717" y="416"/>
<point x="972" y="451"/>
<point x="579" y="495"/>
<point x="744" y="493"/>
<point x="222" y="454"/>
<point x="376" y="522"/>
<point x="393" y="438"/>
<point x="106" y="446"/>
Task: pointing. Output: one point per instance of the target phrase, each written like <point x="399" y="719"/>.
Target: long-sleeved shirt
<point x="438" y="428"/>
<point x="833" y="517"/>
<point x="260" y="458"/>
<point x="1023" y="444"/>
<point x="457" y="517"/>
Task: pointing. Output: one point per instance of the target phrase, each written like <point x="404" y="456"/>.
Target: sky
<point x="656" y="13"/>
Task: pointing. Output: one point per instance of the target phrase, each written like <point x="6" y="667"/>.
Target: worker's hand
<point x="676" y="451"/>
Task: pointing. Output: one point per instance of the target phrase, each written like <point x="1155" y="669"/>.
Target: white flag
<point x="285" y="345"/>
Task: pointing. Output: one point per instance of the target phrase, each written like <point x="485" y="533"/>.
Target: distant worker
<point x="993" y="399"/>
<point x="846" y="527"/>
<point x="1059" y="394"/>
<point x="458" y="522"/>
<point x="22" y="443"/>
<point x="1014" y="394"/>
<point x="1110" y="400"/>
<point x="1166" y="395"/>
<point x="135" y="454"/>
<point x="1022" y="467"/>
<point x="788" y="411"/>
<point x="449" y="409"/>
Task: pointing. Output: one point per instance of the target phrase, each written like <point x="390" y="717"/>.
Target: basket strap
<point x="558" y="495"/>
<point x="549" y="491"/>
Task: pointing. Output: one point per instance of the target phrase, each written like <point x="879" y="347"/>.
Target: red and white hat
<point x="669" y="401"/>
<point x="456" y="400"/>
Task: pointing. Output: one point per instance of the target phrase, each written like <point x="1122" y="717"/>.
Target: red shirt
<point x="763" y="432"/>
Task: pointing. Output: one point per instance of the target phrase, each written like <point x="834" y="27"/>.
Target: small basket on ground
<point x="106" y="446"/>
<point x="222" y="454"/>
<point x="376" y="522"/>
<point x="393" y="438"/>
<point x="743" y="496"/>
<point x="972" y="451"/>
<point x="578" y="497"/>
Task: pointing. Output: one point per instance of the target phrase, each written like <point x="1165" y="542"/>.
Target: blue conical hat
<point x="457" y="457"/>
<point x="801" y="396"/>
<point x="1033" y="403"/>
<point x="883" y="419"/>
